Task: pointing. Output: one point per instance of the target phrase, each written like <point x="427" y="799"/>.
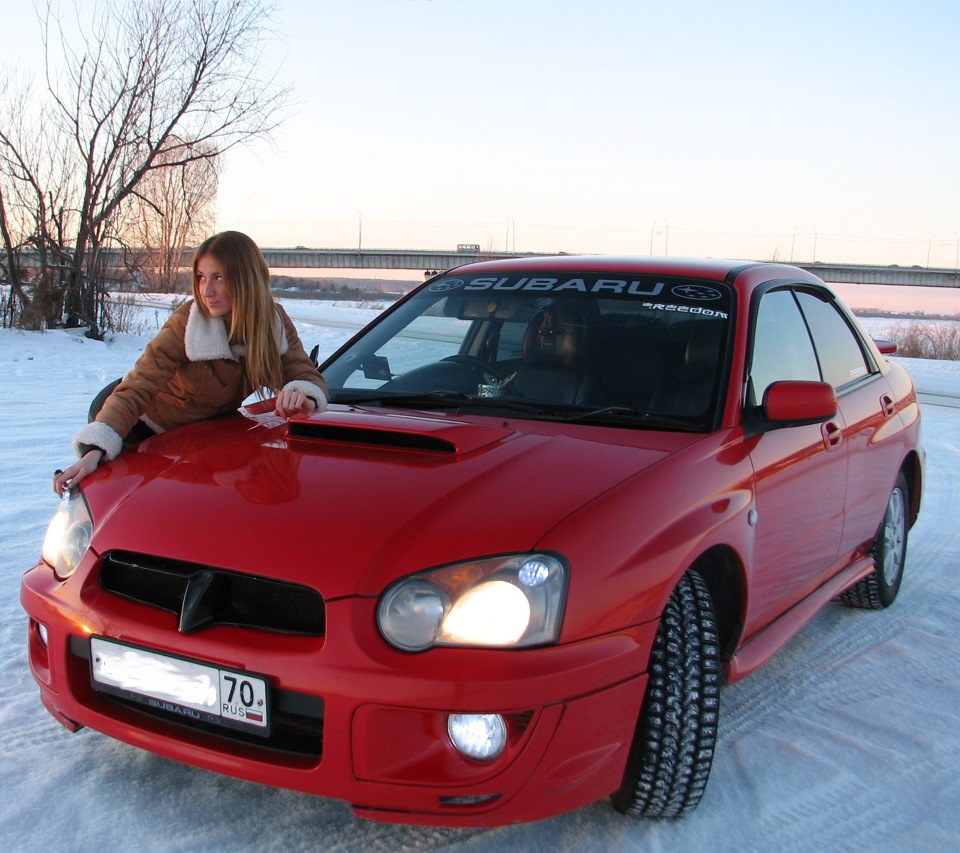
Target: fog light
<point x="481" y="737"/>
<point x="44" y="634"/>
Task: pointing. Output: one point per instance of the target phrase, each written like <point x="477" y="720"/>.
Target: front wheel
<point x="676" y="734"/>
<point x="879" y="589"/>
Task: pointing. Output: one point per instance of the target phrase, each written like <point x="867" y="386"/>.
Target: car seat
<point x="690" y="390"/>
<point x="551" y="368"/>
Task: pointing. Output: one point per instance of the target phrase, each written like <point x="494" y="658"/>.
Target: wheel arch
<point x="912" y="469"/>
<point x="722" y="572"/>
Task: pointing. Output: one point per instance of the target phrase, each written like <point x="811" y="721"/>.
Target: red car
<point x="554" y="504"/>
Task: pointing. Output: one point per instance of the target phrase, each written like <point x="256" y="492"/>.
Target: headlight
<point x="513" y="601"/>
<point x="68" y="535"/>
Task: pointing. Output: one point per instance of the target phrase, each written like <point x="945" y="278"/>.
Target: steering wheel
<point x="478" y="365"/>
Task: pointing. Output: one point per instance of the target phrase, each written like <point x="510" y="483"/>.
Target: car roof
<point x="715" y="269"/>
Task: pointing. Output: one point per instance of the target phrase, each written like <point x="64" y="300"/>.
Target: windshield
<point x="611" y="348"/>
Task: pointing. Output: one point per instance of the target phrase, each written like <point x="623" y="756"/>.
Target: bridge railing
<point x="425" y="259"/>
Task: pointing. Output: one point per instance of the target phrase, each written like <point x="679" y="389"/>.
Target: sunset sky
<point x="802" y="130"/>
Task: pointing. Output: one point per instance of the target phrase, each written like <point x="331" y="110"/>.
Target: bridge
<point x="431" y="260"/>
<point x="419" y="259"/>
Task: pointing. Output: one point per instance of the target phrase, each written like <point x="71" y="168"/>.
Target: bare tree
<point x="133" y="87"/>
<point x="35" y="181"/>
<point x="172" y="208"/>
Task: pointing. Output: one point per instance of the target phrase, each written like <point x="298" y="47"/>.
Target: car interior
<point x="575" y="351"/>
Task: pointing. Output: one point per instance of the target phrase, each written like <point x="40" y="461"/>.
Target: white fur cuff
<point x="100" y="435"/>
<point x="308" y="389"/>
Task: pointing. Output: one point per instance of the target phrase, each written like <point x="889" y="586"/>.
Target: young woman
<point x="230" y="341"/>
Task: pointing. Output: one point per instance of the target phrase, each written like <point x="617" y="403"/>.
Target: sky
<point x="792" y="130"/>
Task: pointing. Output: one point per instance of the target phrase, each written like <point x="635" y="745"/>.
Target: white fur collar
<point x="206" y="338"/>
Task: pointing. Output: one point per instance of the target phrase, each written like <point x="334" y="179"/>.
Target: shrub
<point x="123" y="313"/>
<point x="928" y="339"/>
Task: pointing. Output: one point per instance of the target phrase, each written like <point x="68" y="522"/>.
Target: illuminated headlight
<point x="68" y="535"/>
<point x="513" y="601"/>
<point x="481" y="737"/>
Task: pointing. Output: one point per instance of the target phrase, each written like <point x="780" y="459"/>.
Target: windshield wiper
<point x="443" y="398"/>
<point x="625" y="416"/>
<point x="437" y="399"/>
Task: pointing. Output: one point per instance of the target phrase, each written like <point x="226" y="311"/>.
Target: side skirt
<point x="760" y="648"/>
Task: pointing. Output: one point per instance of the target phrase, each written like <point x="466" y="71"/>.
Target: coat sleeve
<point x="299" y="372"/>
<point x="130" y="399"/>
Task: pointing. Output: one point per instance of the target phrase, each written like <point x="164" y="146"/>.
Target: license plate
<point x="192" y="690"/>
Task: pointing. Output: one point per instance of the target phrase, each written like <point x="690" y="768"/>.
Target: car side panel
<point x="875" y="439"/>
<point x="801" y="481"/>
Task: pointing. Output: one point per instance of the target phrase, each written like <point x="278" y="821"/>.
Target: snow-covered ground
<point x="848" y="740"/>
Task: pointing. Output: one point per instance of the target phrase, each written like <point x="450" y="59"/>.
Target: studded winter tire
<point x="674" y="742"/>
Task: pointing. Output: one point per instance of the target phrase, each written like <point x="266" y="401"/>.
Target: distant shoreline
<point x="886" y="314"/>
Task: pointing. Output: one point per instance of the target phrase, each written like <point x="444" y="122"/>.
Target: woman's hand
<point x="290" y="403"/>
<point x="65" y="480"/>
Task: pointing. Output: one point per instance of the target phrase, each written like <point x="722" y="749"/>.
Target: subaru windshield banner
<point x="681" y="295"/>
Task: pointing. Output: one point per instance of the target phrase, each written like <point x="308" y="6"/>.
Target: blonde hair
<point x="254" y="313"/>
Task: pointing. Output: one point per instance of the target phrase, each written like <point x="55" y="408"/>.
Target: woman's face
<point x="213" y="288"/>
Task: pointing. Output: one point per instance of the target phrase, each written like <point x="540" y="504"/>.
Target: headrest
<point x="702" y="350"/>
<point x="554" y="336"/>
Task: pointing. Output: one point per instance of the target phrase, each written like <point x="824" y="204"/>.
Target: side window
<point x="510" y="340"/>
<point x="841" y="356"/>
<point x="782" y="348"/>
<point x="424" y="339"/>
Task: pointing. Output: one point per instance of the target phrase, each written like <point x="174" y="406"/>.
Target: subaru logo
<point x="699" y="292"/>
<point x="444" y="285"/>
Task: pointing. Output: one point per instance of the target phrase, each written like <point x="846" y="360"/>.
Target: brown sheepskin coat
<point x="188" y="372"/>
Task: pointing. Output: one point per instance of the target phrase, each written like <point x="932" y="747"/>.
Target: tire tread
<point x="676" y="734"/>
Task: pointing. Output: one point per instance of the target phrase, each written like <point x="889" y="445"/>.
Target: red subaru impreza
<point x="554" y="503"/>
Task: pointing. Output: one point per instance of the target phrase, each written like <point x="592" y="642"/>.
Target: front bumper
<point x="359" y="721"/>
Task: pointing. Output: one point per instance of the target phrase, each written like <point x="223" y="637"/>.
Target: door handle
<point x="832" y="435"/>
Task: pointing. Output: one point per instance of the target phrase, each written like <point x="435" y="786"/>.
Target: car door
<point x="871" y="424"/>
<point x="800" y="471"/>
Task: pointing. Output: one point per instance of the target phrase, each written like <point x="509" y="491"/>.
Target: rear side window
<point x="841" y="356"/>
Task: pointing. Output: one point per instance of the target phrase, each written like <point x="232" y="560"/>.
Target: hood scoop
<point x="417" y="433"/>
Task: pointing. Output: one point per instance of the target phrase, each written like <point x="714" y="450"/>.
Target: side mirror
<point x="792" y="403"/>
<point x="885" y="347"/>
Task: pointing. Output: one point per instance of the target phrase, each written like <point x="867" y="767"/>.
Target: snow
<point x="849" y="739"/>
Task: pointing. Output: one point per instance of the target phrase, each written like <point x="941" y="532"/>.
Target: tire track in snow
<point x="930" y="398"/>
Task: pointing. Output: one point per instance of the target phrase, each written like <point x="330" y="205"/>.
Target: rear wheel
<point x="674" y="742"/>
<point x="879" y="589"/>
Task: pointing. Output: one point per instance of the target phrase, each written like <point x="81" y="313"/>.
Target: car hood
<point x="348" y="500"/>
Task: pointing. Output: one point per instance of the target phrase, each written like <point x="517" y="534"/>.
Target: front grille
<point x="202" y="597"/>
